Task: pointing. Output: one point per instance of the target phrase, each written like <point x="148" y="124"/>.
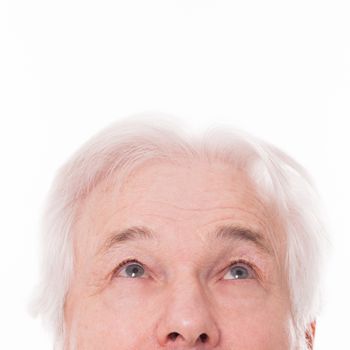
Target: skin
<point x="185" y="282"/>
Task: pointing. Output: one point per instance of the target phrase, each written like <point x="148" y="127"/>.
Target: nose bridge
<point x="186" y="318"/>
<point x="186" y="292"/>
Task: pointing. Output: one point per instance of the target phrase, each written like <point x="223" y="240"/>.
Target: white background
<point x="279" y="69"/>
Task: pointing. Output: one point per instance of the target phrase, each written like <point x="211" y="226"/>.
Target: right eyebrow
<point x="129" y="234"/>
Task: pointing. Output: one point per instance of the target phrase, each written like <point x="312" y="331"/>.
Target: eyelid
<point x="255" y="270"/>
<point x="250" y="266"/>
<point x="116" y="270"/>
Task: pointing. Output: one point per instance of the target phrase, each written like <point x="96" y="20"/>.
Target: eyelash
<point x="123" y="263"/>
<point x="231" y="264"/>
<point x="245" y="262"/>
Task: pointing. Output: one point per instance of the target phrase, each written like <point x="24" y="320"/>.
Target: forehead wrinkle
<point x="218" y="207"/>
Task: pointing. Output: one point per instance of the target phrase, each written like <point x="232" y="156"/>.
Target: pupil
<point x="133" y="270"/>
<point x="238" y="272"/>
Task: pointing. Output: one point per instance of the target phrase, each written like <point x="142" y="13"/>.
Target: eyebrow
<point x="229" y="233"/>
<point x="239" y="233"/>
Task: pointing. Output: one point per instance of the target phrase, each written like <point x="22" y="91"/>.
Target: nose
<point x="186" y="320"/>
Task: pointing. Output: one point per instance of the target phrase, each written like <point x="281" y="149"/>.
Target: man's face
<point x="202" y="273"/>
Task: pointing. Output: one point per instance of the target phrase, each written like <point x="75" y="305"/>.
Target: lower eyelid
<point x="252" y="270"/>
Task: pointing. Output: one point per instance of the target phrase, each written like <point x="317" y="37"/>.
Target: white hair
<point x="119" y="149"/>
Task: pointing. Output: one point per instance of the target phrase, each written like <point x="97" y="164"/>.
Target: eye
<point x="131" y="268"/>
<point x="240" y="270"/>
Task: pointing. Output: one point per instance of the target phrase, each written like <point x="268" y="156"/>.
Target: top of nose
<point x="187" y="322"/>
<point x="193" y="334"/>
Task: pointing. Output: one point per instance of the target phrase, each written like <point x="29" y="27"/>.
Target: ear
<point x="310" y="335"/>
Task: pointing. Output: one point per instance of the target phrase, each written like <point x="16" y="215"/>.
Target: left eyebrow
<point x="232" y="233"/>
<point x="239" y="233"/>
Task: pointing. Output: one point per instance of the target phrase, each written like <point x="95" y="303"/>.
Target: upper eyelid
<point x="242" y="262"/>
<point x="227" y="267"/>
<point x="125" y="263"/>
<point x="245" y="263"/>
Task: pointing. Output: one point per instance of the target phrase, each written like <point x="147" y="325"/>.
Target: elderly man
<point x="158" y="240"/>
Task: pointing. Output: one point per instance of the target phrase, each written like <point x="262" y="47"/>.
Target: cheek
<point x="125" y="313"/>
<point x="260" y="323"/>
<point x="254" y="332"/>
<point x="113" y="317"/>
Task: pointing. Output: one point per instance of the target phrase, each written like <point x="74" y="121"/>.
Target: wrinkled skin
<point x="183" y="292"/>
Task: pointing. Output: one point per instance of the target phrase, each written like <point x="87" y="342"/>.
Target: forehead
<point x="165" y="188"/>
<point x="182" y="202"/>
<point x="190" y="185"/>
<point x="173" y="200"/>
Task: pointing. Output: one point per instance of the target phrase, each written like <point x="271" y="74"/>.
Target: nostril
<point x="203" y="337"/>
<point x="173" y="335"/>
